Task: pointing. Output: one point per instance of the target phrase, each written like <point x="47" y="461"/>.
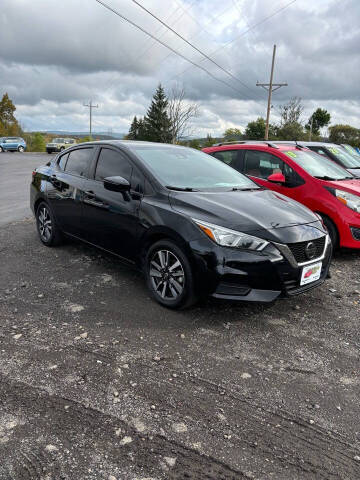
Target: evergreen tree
<point x="141" y="129"/>
<point x="157" y="124"/>
<point x="134" y="130"/>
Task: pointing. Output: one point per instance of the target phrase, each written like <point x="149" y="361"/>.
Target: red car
<point x="297" y="172"/>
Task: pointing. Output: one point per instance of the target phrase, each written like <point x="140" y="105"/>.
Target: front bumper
<point x="52" y="149"/>
<point x="233" y="274"/>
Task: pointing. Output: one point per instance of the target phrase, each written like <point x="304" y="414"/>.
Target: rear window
<point x="78" y="161"/>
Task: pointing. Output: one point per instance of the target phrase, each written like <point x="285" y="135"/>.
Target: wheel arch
<point x="37" y="203"/>
<point x="327" y="217"/>
<point x="157" y="233"/>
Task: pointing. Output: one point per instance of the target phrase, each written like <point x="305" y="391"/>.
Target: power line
<point x="167" y="46"/>
<point x="191" y="45"/>
<point x="241" y="35"/>
<point x="211" y="20"/>
<point x="162" y="35"/>
<point x="202" y="27"/>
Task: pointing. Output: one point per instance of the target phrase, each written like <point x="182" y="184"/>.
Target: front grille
<point x="355" y="233"/>
<point x="299" y="249"/>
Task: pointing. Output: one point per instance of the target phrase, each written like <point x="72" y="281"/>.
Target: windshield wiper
<point x="181" y="189"/>
<point x="245" y="189"/>
<point x="325" y="178"/>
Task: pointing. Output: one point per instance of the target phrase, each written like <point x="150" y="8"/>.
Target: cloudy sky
<point x="56" y="56"/>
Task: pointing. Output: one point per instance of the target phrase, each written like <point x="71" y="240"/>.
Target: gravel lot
<point x="15" y="176"/>
<point x="99" y="382"/>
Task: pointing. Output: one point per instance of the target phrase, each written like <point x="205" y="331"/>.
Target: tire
<point x="169" y="275"/>
<point x="21" y="149"/>
<point x="62" y="149"/>
<point x="49" y="233"/>
<point x="332" y="230"/>
<point x="1" y="150"/>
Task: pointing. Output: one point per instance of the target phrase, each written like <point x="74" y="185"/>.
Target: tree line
<point x="291" y="127"/>
<point x="169" y="120"/>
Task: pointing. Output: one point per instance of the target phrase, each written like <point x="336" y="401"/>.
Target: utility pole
<point x="91" y="106"/>
<point x="270" y="87"/>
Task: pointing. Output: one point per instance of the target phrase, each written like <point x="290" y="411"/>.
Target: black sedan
<point x="194" y="225"/>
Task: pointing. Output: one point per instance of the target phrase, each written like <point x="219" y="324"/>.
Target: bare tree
<point x="291" y="112"/>
<point x="180" y="112"/>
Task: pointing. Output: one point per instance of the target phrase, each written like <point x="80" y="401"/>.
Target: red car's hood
<point x="352" y="186"/>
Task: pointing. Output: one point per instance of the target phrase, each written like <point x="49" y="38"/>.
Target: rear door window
<point x="112" y="163"/>
<point x="78" y="161"/>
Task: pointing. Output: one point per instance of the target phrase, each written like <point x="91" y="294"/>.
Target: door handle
<point x="89" y="194"/>
<point x="54" y="180"/>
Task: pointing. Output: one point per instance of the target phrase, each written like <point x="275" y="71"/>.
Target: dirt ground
<point x="99" y="382"/>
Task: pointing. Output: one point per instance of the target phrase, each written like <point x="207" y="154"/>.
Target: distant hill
<point x="102" y="135"/>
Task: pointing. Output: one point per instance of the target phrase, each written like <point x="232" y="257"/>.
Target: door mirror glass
<point x="116" y="184"/>
<point x="277" y="178"/>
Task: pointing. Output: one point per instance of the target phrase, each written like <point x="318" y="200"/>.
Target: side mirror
<point x="277" y="178"/>
<point x="116" y="184"/>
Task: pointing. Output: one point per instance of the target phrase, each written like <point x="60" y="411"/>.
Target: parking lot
<point x="99" y="382"/>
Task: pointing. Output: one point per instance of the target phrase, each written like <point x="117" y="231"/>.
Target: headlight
<point x="230" y="238"/>
<point x="348" y="199"/>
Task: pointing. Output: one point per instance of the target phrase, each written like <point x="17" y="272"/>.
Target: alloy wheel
<point x="167" y="275"/>
<point x="21" y="149"/>
<point x="45" y="224"/>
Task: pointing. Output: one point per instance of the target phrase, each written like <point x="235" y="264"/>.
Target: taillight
<point x="33" y="174"/>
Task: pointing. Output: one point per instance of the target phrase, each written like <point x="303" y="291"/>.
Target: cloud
<point x="55" y="56"/>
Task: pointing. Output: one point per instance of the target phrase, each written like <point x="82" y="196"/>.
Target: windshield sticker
<point x="291" y="154"/>
<point x="333" y="150"/>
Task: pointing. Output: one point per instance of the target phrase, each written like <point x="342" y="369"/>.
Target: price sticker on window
<point x="291" y="154"/>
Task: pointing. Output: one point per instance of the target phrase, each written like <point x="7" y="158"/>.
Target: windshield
<point x="350" y="149"/>
<point x="185" y="168"/>
<point x="318" y="166"/>
<point x="58" y="140"/>
<point x="347" y="159"/>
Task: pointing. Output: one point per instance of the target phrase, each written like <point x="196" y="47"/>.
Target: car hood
<point x="352" y="186"/>
<point x="354" y="171"/>
<point x="245" y="211"/>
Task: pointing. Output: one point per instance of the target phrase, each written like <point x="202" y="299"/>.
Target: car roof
<point x="307" y="143"/>
<point x="271" y="146"/>
<point x="132" y="143"/>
